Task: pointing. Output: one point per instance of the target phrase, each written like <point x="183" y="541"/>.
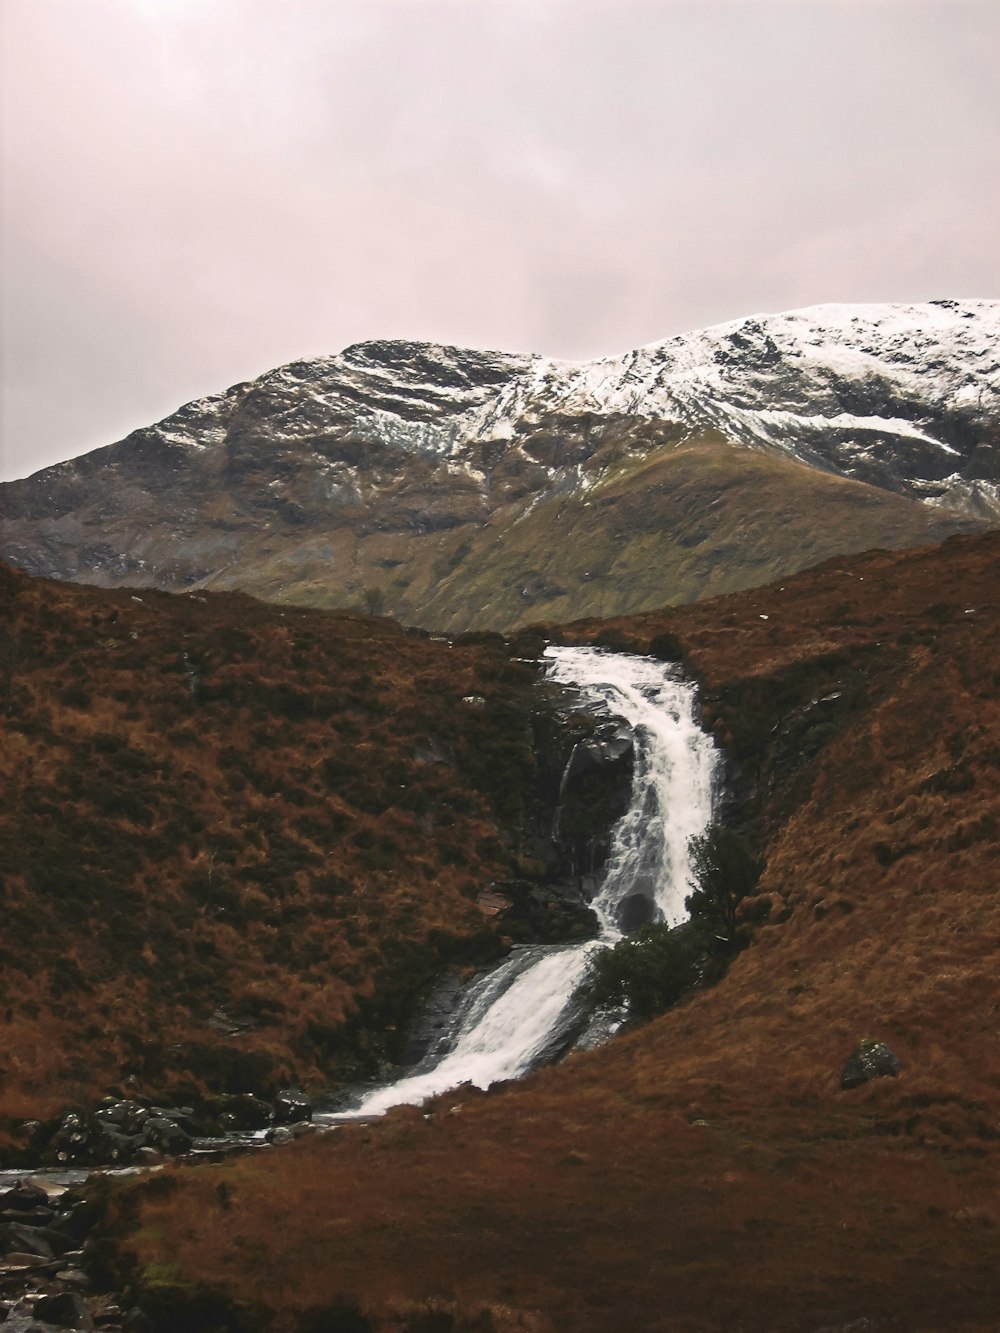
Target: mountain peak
<point x="450" y="479"/>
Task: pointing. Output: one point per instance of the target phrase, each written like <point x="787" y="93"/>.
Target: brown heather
<point x="235" y="841"/>
<point x="705" y="1171"/>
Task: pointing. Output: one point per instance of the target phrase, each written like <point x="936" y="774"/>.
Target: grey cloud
<point x="200" y="189"/>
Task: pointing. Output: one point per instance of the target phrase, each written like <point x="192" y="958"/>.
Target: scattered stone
<point x="27" y="1240"/>
<point x="280" y="1134"/>
<point x="73" y="1277"/>
<point x="65" y="1309"/>
<point x="24" y="1196"/>
<point x="870" y="1059"/>
<point x="21" y="1259"/>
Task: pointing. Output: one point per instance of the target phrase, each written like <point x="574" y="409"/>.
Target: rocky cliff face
<point x="460" y="488"/>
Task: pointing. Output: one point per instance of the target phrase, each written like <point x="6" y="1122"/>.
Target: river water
<point x="519" y="1015"/>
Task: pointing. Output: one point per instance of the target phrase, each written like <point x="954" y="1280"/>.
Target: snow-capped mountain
<point x="292" y="485"/>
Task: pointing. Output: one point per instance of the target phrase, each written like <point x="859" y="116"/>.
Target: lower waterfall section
<point x="522" y="1013"/>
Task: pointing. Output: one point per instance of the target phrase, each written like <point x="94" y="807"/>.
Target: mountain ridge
<point x="359" y="478"/>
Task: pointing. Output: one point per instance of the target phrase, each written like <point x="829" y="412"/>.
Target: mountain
<point x="457" y="488"/>
<point x="706" y="1171"/>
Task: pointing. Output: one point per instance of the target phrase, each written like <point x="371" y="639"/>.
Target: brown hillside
<point x="706" y="1172"/>
<point x="235" y="841"/>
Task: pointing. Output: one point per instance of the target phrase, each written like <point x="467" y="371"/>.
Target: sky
<point x="195" y="191"/>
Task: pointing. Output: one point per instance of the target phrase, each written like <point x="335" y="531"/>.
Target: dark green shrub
<point x="725" y="872"/>
<point x="649" y="971"/>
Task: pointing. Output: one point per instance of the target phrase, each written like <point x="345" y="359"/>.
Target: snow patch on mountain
<point x="900" y="396"/>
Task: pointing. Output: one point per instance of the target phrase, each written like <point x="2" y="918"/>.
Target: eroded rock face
<point x="597" y="785"/>
<point x="453" y="488"/>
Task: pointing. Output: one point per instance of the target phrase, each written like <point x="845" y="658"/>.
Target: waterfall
<point x="520" y="1013"/>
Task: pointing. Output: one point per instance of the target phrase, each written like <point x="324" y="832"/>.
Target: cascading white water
<point x="514" y="1015"/>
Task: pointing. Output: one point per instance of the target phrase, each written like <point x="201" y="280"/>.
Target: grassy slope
<point x="223" y="854"/>
<point x="671" y="525"/>
<point x="706" y="1171"/>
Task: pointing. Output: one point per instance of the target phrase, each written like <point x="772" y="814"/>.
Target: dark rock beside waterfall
<point x="115" y="1148"/>
<point x="72" y="1142"/>
<point x="127" y="1117"/>
<point x="167" y="1135"/>
<point x="634" y="911"/>
<point x="431" y="1023"/>
<point x="245" y="1111"/>
<point x="290" y="1108"/>
<point x="546" y="914"/>
<point x="123" y="1131"/>
<point x="610" y="743"/>
<point x="596" y="789"/>
<point x="869" y="1059"/>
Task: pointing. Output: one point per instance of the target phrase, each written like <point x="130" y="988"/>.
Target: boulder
<point x="290" y="1108"/>
<point x="113" y="1147"/>
<point x="72" y="1140"/>
<point x="27" y="1240"/>
<point x="245" y="1111"/>
<point x="166" y="1135"/>
<point x="869" y="1059"/>
<point x="65" y="1309"/>
<point x="127" y="1117"/>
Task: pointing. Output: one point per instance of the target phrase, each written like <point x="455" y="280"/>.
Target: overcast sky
<point x="198" y="190"/>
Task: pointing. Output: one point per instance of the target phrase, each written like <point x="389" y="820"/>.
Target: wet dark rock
<point x="291" y="1107"/>
<point x="115" y="1148"/>
<point x="166" y="1135"/>
<point x="64" y="1309"/>
<point x="23" y="1197"/>
<point x="595" y="793"/>
<point x="280" y="1134"/>
<point x="73" y="1224"/>
<point x="634" y="911"/>
<point x="547" y="914"/>
<point x="870" y="1059"/>
<point x="27" y="1240"/>
<point x="245" y="1111"/>
<point x="610" y="743"/>
<point x="180" y="1115"/>
<point x="73" y="1277"/>
<point x="127" y="1117"/>
<point x="71" y="1142"/>
<point x="22" y="1259"/>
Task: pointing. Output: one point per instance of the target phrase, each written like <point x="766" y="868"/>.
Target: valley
<point x="707" y="1163"/>
<point x="328" y="734"/>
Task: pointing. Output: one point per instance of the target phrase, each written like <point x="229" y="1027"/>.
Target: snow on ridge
<point x="778" y="381"/>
